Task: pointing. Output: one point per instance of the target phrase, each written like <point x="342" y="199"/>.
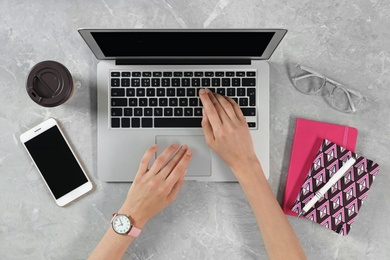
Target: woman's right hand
<point x="226" y="131"/>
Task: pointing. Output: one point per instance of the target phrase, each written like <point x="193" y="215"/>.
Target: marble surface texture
<point x="348" y="41"/>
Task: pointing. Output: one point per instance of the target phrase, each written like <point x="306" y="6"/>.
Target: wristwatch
<point x="122" y="225"/>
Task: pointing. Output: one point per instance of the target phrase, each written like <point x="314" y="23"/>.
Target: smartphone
<point x="56" y="162"/>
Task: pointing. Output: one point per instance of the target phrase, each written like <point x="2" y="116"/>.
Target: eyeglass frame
<point x="332" y="82"/>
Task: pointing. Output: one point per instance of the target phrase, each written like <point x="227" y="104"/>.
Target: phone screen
<point x="56" y="162"/>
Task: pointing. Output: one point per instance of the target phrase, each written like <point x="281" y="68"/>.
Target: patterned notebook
<point x="338" y="208"/>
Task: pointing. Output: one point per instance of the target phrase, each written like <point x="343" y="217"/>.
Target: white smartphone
<point x="56" y="162"/>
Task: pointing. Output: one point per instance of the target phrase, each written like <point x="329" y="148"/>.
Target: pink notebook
<point x="308" y="137"/>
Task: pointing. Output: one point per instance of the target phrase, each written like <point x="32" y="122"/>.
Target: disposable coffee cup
<point x="49" y="84"/>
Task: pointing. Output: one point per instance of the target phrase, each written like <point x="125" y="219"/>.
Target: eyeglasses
<point x="343" y="99"/>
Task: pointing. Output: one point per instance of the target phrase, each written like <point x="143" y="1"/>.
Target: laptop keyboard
<point x="169" y="99"/>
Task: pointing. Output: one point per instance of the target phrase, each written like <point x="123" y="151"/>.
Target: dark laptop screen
<point x="155" y="44"/>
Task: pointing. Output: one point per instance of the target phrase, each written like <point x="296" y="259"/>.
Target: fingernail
<point x="184" y="147"/>
<point x="175" y="145"/>
<point x="202" y="91"/>
<point x="189" y="152"/>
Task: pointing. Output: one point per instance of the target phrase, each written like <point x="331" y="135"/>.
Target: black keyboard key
<point x="171" y="92"/>
<point x="128" y="111"/>
<point x="193" y="102"/>
<point x="130" y="92"/>
<point x="158" y="111"/>
<point x="161" y="92"/>
<point x="248" y="111"/>
<point x="178" y="111"/>
<point x="125" y="82"/>
<point x="115" y="122"/>
<point x="119" y="102"/>
<point x="125" y="122"/>
<point x="137" y="111"/>
<point x="235" y="100"/>
<point x="205" y="82"/>
<point x="221" y="91"/>
<point x="177" y="122"/>
<point x="178" y="74"/>
<point x="157" y="74"/>
<point x="115" y="74"/>
<point x="219" y="74"/>
<point x="183" y="102"/>
<point x="236" y="82"/>
<point x="116" y="111"/>
<point x="117" y="92"/>
<point x="155" y="82"/>
<point x="240" y="92"/>
<point x="163" y="102"/>
<point x="198" y="111"/>
<point x="115" y="82"/>
<point x="126" y="74"/>
<point x="140" y="92"/>
<point x="185" y="82"/>
<point x="209" y="74"/>
<point x="173" y="102"/>
<point x="153" y="102"/>
<point x="231" y="92"/>
<point x="190" y="92"/>
<point x="136" y="74"/>
<point x="188" y="74"/>
<point x="145" y="82"/>
<point x="198" y="73"/>
<point x="166" y="82"/>
<point x="167" y="74"/>
<point x="216" y="82"/>
<point x="135" y="122"/>
<point x="229" y="73"/>
<point x="243" y="102"/>
<point x="181" y="92"/>
<point x="240" y="73"/>
<point x="150" y="92"/>
<point x="195" y="82"/>
<point x="148" y="111"/>
<point x="251" y="93"/>
<point x="168" y="111"/>
<point x="135" y="82"/>
<point x="226" y="82"/>
<point x="175" y="82"/>
<point x="251" y="73"/>
<point x="251" y="124"/>
<point x="143" y="102"/>
<point x="251" y="82"/>
<point x="146" y="74"/>
<point x="147" y="122"/>
<point x="188" y="111"/>
<point x="133" y="102"/>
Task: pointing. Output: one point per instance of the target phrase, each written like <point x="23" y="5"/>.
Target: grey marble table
<point x="348" y="41"/>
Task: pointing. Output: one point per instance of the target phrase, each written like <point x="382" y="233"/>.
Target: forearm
<point x="278" y="236"/>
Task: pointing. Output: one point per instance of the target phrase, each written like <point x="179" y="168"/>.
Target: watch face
<point x="121" y="224"/>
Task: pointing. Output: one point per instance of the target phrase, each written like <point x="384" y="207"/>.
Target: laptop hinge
<point x="183" y="62"/>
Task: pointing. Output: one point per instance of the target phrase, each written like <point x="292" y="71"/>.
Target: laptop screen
<point x="176" y="44"/>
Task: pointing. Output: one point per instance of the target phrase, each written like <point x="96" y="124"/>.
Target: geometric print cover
<point x="339" y="206"/>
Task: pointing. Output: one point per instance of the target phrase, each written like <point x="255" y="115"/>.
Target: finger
<point x="209" y="107"/>
<point x="163" y="158"/>
<point x="221" y="112"/>
<point x="179" y="170"/>
<point x="207" y="128"/>
<point x="143" y="167"/>
<point x="226" y="106"/>
<point x="176" y="188"/>
<point x="171" y="164"/>
<point x="237" y="109"/>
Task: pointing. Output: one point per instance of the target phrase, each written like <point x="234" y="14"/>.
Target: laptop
<point x="147" y="93"/>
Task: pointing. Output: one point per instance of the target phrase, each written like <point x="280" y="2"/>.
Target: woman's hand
<point x="226" y="130"/>
<point x="155" y="188"/>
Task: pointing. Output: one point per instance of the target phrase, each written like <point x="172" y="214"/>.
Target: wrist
<point x="135" y="216"/>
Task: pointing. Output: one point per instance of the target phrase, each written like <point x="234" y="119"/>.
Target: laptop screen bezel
<point x="86" y="34"/>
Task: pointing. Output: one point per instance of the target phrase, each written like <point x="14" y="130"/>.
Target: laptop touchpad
<point x="200" y="164"/>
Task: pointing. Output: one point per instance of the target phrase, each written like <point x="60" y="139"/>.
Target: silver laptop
<point x="147" y="91"/>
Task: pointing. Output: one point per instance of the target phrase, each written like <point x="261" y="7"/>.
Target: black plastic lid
<point x="49" y="84"/>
